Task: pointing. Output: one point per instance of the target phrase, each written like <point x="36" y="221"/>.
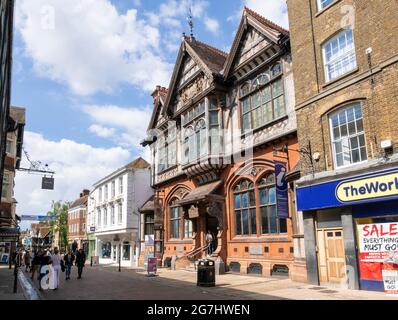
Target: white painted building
<point x="113" y="214"/>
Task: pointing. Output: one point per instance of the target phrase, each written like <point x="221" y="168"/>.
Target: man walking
<point x="80" y="261"/>
<point x="69" y="258"/>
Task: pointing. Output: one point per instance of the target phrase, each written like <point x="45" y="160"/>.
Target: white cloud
<point x="274" y="10"/>
<point x="101" y="131"/>
<point x="131" y="122"/>
<point x="212" y="25"/>
<point x="77" y="166"/>
<point x="89" y="46"/>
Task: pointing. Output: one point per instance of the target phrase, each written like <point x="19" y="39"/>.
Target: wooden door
<point x="335" y="254"/>
<point x="331" y="255"/>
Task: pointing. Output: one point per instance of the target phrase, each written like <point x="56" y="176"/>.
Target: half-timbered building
<point x="215" y="135"/>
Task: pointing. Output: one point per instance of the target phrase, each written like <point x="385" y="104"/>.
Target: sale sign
<point x="378" y="242"/>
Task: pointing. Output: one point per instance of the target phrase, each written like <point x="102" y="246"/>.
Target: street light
<point x="117" y="239"/>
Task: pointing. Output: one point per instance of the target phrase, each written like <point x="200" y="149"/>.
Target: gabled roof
<point x="210" y="60"/>
<point x="79" y="202"/>
<point x="270" y="30"/>
<point x="159" y="97"/>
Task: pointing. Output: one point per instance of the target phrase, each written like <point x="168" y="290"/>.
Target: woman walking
<point x="56" y="265"/>
<point x="27" y="260"/>
<point x="69" y="258"/>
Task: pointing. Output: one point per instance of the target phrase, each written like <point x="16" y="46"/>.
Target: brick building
<point x="77" y="215"/>
<point x="217" y="135"/>
<point x="345" y="63"/>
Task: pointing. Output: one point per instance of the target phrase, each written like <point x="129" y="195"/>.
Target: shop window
<point x="106" y="250"/>
<point x="126" y="252"/>
<point x="245" y="208"/>
<point x="348" y="136"/>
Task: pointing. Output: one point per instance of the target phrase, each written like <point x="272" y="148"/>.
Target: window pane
<point x="272" y="195"/>
<point x="266" y="94"/>
<point x="339" y="159"/>
<point x="282" y="226"/>
<point x="245" y="105"/>
<point x="213" y="117"/>
<point x="264" y="220"/>
<point x="237" y="201"/>
<point x="252" y="200"/>
<point x="344" y="131"/>
<point x="246" y="122"/>
<point x="272" y="219"/>
<point x="363" y="154"/>
<point x="361" y="140"/>
<point x="269" y="115"/>
<point x="354" y="143"/>
<point x="238" y="223"/>
<point x="279" y="105"/>
<point x="277" y="88"/>
<point x="245" y="222"/>
<point x="263" y="197"/>
<point x="253" y="223"/>
<point x="256" y="100"/>
<point x="338" y="147"/>
<point x="355" y="156"/>
<point x="359" y="125"/>
<point x="351" y="128"/>
<point x="336" y="133"/>
<point x="245" y="199"/>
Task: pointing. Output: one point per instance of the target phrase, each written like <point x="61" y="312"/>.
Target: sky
<point x="84" y="70"/>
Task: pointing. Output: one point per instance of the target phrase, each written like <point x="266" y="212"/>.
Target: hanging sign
<point x="47" y="183"/>
<point x="282" y="203"/>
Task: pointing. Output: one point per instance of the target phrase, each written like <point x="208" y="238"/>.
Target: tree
<point x="60" y="211"/>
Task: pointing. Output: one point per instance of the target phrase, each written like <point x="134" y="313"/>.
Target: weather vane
<point x="190" y="21"/>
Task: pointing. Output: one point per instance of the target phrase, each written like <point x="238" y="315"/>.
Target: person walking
<point x="56" y="265"/>
<point x="209" y="241"/>
<point x="74" y="247"/>
<point x="69" y="258"/>
<point x="27" y="260"/>
<point x="80" y="261"/>
<point x="35" y="263"/>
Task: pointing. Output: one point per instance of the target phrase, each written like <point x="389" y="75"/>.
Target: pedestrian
<point x="35" y="263"/>
<point x="27" y="260"/>
<point x="209" y="241"/>
<point x="44" y="262"/>
<point x="56" y="265"/>
<point x="80" y="261"/>
<point x="74" y="247"/>
<point x="69" y="258"/>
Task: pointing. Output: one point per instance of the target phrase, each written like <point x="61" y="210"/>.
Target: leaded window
<point x="245" y="208"/>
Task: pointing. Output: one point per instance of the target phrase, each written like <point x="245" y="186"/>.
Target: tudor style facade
<point x="214" y="136"/>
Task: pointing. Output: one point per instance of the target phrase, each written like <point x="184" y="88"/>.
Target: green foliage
<point x="60" y="210"/>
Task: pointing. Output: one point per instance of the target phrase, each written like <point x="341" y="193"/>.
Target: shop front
<point x="351" y="230"/>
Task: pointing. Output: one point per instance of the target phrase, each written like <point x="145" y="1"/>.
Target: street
<point x="106" y="283"/>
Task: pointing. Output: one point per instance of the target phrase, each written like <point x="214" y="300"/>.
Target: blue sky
<point x="84" y="71"/>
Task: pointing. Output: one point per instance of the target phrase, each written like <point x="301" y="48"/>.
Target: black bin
<point x="206" y="273"/>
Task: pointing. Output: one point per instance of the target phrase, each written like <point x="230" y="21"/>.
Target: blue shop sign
<point x="378" y="186"/>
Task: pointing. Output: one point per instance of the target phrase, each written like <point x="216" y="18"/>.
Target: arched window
<point x="245" y="89"/>
<point x="276" y="70"/>
<point x="270" y="223"/>
<point x="175" y="219"/>
<point x="245" y="208"/>
<point x="261" y="80"/>
<point x="200" y="132"/>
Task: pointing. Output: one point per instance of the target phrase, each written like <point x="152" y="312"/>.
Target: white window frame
<point x="340" y="56"/>
<point x="347" y="137"/>
<point x="322" y="7"/>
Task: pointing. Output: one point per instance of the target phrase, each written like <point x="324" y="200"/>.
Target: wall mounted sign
<point x="373" y="187"/>
<point x="282" y="203"/>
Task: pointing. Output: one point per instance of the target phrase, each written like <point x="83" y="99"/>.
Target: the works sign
<point x="378" y="186"/>
<point x="373" y="187"/>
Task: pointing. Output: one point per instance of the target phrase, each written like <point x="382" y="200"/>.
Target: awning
<point x="149" y="205"/>
<point x="202" y="193"/>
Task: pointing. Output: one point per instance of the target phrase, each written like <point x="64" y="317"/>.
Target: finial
<point x="190" y="21"/>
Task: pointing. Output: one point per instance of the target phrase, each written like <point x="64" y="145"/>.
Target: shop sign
<point x="390" y="280"/>
<point x="378" y="242"/>
<point x="366" y="188"/>
<point x="152" y="265"/>
<point x="379" y="186"/>
<point x="282" y="203"/>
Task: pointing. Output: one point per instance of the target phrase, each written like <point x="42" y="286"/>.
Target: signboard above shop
<point x="375" y="187"/>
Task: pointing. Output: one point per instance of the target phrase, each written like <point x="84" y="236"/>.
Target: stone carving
<point x="215" y="210"/>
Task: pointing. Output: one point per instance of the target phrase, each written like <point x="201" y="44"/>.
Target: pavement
<point x="7" y="284"/>
<point x="106" y="283"/>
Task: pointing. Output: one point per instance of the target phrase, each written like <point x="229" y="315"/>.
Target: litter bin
<point x="206" y="273"/>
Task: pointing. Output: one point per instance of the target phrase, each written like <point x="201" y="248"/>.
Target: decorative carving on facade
<point x="215" y="209"/>
<point x="169" y="174"/>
